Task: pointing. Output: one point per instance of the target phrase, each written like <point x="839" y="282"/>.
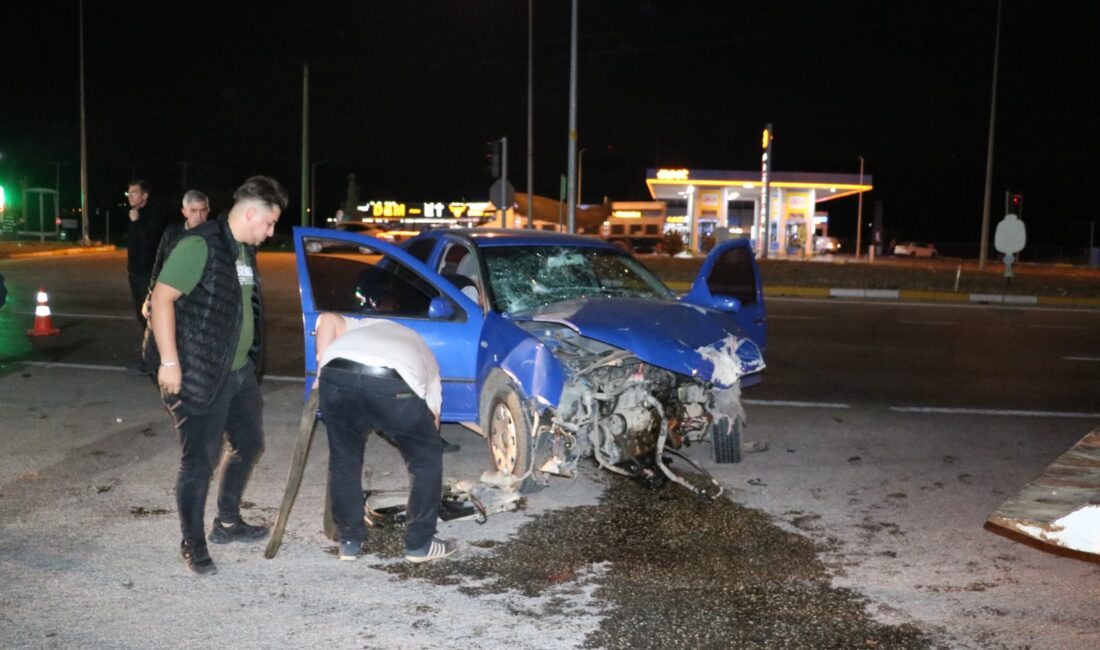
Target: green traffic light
<point x="3" y="200"/>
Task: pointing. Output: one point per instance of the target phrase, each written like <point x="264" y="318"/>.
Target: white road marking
<point x="109" y="368"/>
<point x="68" y="315"/>
<point x="751" y="402"/>
<point x="999" y="412"/>
<point x="1081" y="358"/>
<point x="79" y="366"/>
<point x="808" y="405"/>
<point x="926" y="322"/>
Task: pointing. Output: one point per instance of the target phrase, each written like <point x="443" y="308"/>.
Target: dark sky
<point x="405" y="94"/>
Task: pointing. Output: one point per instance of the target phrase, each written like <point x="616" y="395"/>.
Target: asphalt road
<point x="893" y="431"/>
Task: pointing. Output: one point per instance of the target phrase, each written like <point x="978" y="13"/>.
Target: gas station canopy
<point x="794" y="195"/>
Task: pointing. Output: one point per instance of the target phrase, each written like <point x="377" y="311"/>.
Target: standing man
<point x="196" y="207"/>
<point x="142" y="239"/>
<point x="376" y="374"/>
<point x="206" y="317"/>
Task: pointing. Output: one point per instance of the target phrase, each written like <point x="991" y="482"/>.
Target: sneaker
<point x="196" y="558"/>
<point x="238" y="531"/>
<point x="437" y="549"/>
<point x="349" y="550"/>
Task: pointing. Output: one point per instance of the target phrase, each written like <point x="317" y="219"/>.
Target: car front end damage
<point x="631" y="416"/>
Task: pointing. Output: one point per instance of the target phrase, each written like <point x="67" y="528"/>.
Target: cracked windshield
<point x="526" y="277"/>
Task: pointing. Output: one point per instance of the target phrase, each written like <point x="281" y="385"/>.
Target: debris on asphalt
<point x="676" y="573"/>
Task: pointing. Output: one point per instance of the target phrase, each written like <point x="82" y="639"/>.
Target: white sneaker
<point x="436" y="549"/>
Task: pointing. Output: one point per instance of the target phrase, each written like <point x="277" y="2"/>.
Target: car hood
<point x="683" y="338"/>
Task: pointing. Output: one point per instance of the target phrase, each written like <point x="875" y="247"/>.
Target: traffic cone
<point x="43" y="324"/>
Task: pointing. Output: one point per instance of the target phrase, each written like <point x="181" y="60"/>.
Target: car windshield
<point x="522" y="278"/>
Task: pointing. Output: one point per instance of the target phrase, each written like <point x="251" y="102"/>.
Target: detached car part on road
<point x="558" y="347"/>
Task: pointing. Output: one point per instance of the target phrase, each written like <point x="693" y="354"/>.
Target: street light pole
<point x="859" y="211"/>
<point x="530" y="113"/>
<point x="580" y="174"/>
<point x="571" y="208"/>
<point x="84" y="240"/>
<point x="983" y="249"/>
<point x="313" y="190"/>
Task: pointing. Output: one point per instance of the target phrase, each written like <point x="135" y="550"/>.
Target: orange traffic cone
<point x="43" y="324"/>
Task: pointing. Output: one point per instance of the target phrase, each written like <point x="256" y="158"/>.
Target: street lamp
<point x="313" y="189"/>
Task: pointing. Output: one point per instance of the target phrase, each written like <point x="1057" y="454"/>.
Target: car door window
<point x="355" y="279"/>
<point x="734" y="275"/>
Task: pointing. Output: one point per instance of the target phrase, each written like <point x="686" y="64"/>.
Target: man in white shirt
<point x="379" y="375"/>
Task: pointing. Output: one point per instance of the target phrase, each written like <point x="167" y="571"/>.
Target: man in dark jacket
<point x="204" y="342"/>
<point x="195" y="209"/>
<point x="142" y="239"/>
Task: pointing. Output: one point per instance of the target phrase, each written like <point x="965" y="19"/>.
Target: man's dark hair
<point x="264" y="189"/>
<point x="142" y="183"/>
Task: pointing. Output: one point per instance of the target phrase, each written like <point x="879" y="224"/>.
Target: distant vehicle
<point x="916" y="249"/>
<point x="823" y="245"/>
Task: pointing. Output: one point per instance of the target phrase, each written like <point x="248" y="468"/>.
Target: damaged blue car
<point x="556" y="347"/>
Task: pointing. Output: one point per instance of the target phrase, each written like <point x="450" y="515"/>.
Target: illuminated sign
<point x="627" y="214"/>
<point x="672" y="174"/>
<point x="383" y="210"/>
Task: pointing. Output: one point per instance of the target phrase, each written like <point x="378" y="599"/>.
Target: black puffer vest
<point x="208" y="320"/>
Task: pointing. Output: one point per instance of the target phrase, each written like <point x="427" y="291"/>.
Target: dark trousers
<point x="354" y="404"/>
<point x="139" y="289"/>
<point x="236" y="413"/>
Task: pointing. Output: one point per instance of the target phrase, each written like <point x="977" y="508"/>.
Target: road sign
<point x="509" y="198"/>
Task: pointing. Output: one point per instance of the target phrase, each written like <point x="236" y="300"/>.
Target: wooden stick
<point x="297" y="467"/>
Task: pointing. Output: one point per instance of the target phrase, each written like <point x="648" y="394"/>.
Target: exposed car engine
<point x="629" y="415"/>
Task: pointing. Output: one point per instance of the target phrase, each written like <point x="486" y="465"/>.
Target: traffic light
<point x="492" y="158"/>
<point x="3" y="199"/>
<point x="1016" y="203"/>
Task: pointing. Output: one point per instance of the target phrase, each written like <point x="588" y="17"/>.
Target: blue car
<point x="557" y="347"/>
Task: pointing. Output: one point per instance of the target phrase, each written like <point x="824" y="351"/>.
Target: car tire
<point x="726" y="438"/>
<point x="506" y="424"/>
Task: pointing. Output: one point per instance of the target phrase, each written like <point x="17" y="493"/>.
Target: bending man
<point x="378" y="375"/>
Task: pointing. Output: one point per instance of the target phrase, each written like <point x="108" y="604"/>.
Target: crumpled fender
<point x="524" y="358"/>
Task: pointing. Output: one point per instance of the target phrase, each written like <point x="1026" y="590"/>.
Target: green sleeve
<point x="183" y="268"/>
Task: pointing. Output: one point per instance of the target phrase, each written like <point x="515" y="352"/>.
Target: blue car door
<point x="363" y="277"/>
<point x="730" y="271"/>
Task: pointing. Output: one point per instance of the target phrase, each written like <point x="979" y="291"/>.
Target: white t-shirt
<point x="376" y="342"/>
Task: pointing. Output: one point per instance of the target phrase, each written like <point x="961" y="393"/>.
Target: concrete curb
<point x="58" y="252"/>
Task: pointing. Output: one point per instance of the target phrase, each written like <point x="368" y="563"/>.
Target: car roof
<point x="494" y="237"/>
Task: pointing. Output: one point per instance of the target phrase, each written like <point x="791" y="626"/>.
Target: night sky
<point x="405" y="95"/>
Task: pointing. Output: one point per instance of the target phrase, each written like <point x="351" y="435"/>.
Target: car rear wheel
<point x="507" y="428"/>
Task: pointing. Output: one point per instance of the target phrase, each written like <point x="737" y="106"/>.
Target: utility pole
<point x="84" y="149"/>
<point x="859" y="211"/>
<point x="571" y="208"/>
<point x="983" y="250"/>
<point x="530" y="113"/>
<point x="305" y="144"/>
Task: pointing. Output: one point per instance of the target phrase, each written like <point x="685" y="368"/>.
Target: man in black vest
<point x="204" y="340"/>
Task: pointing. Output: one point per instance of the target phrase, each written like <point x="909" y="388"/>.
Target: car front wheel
<point x="507" y="428"/>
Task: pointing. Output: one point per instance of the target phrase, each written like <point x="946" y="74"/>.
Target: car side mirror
<point x="440" y="309"/>
<point x="726" y="303"/>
